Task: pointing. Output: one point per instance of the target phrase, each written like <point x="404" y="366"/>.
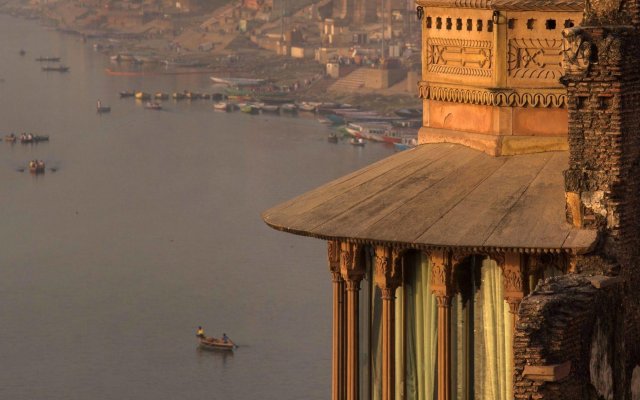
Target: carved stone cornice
<point x="352" y="265"/>
<point x="388" y="268"/>
<point x="492" y="97"/>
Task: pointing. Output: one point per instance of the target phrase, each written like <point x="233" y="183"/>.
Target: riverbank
<point x="159" y="50"/>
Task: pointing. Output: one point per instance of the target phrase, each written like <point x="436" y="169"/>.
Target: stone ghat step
<point x="354" y="80"/>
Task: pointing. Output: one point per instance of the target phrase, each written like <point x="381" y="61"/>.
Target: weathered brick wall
<point x="557" y="324"/>
<point x="565" y="319"/>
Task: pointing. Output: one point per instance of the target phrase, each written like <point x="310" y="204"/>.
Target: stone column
<point x="388" y="276"/>
<point x="352" y="269"/>
<point x="441" y="272"/>
<point x="338" y="353"/>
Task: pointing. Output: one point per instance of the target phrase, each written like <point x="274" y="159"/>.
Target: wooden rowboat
<point x="211" y="343"/>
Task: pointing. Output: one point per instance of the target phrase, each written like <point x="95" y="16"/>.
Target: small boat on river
<point x="36" y="166"/>
<point x="357" y="142"/>
<point x="100" y="108"/>
<point x="56" y="68"/>
<point x="48" y="59"/>
<point x="152" y="105"/>
<point x="211" y="343"/>
<point x="127" y="93"/>
<point x="332" y="138"/>
<point x="22" y="52"/>
<point x="31" y="138"/>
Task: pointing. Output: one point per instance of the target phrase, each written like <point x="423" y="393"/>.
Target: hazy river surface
<point x="149" y="227"/>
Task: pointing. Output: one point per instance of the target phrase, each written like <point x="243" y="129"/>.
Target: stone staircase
<point x="350" y="83"/>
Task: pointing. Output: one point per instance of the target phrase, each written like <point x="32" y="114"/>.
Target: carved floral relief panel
<point x="459" y="57"/>
<point x="537" y="59"/>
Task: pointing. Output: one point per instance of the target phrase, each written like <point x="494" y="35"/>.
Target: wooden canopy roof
<point x="443" y="195"/>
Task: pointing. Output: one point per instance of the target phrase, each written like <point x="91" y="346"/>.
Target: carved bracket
<point x="388" y="268"/>
<point x="352" y="265"/>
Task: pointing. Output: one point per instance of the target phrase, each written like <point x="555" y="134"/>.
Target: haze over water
<point x="151" y="226"/>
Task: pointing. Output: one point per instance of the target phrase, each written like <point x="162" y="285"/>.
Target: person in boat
<point x="200" y="333"/>
<point x="225" y="338"/>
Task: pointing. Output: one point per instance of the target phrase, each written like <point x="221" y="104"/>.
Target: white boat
<point x="221" y="106"/>
<point x="273" y="108"/>
<point x="406" y="143"/>
<point x="288" y="107"/>
<point x="152" y="105"/>
<point x="371" y="131"/>
<point x="357" y="141"/>
<point x="305" y="106"/>
<point x="237" y="81"/>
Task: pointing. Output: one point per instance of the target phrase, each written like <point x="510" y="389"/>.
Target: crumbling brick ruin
<point x="585" y="326"/>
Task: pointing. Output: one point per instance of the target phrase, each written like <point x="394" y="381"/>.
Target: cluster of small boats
<point x="51" y="67"/>
<point x="25" y="138"/>
<point x="362" y="125"/>
<point x="184" y="95"/>
<point x="256" y="107"/>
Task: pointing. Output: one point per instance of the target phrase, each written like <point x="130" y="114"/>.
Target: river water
<point x="149" y="227"/>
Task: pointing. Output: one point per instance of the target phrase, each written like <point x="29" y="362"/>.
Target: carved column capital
<point x="513" y="273"/>
<point x="388" y="268"/>
<point x="441" y="271"/>
<point x="333" y="253"/>
<point x="352" y="265"/>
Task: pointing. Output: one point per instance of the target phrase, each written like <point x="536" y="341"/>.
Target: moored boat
<point x="249" y="109"/>
<point x="127" y="93"/>
<point x="272" y="108"/>
<point x="406" y="143"/>
<point x="221" y="106"/>
<point x="178" y="96"/>
<point x="307" y="106"/>
<point x="357" y="142"/>
<point x="289" y="108"/>
<point x="161" y="96"/>
<point x="142" y="96"/>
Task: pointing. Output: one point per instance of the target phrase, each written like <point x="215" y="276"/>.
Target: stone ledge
<point x="602" y="282"/>
<point x="494" y="145"/>
<point x="547" y="373"/>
